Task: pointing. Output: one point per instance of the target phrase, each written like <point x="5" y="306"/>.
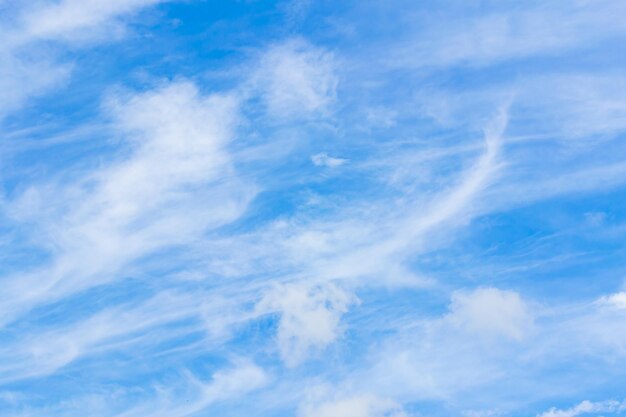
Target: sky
<point x="312" y="208"/>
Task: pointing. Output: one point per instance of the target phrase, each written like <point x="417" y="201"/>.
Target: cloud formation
<point x="491" y="312"/>
<point x="309" y="317"/>
<point x="587" y="407"/>
<point x="310" y="209"/>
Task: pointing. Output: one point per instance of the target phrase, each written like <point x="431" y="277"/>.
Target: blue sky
<point x="312" y="208"/>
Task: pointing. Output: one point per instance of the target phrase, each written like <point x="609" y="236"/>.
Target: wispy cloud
<point x="322" y="159"/>
<point x="295" y="79"/>
<point x="144" y="202"/>
<point x="68" y="19"/>
<point x="354" y="406"/>
<point x="356" y="210"/>
<point x="28" y="69"/>
<point x="225" y="385"/>
<point x="587" y="407"/>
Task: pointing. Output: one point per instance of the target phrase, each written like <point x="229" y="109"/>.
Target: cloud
<point x="184" y="396"/>
<point x="162" y="193"/>
<point x="491" y="312"/>
<point x="22" y="78"/>
<point x="295" y="80"/>
<point x="453" y="205"/>
<point x="587" y="407"/>
<point x="617" y="300"/>
<point x="44" y="351"/>
<point x="67" y="18"/>
<point x="492" y="36"/>
<point x="483" y="413"/>
<point x="309" y="317"/>
<point x="585" y="105"/>
<point x="190" y="227"/>
<point x="353" y="406"/>
<point x="322" y="159"/>
<point x="225" y="385"/>
<point x="467" y="351"/>
<point x="27" y="70"/>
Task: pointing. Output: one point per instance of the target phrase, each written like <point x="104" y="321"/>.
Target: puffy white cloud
<point x="309" y="317"/>
<point x="491" y="312"/>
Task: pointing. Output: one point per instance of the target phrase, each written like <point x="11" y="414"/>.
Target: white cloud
<point x="454" y="205"/>
<point x="45" y="351"/>
<point x="491" y="312"/>
<point x="233" y="382"/>
<point x="26" y="71"/>
<point x="174" y="180"/>
<point x="363" y="405"/>
<point x="176" y="183"/>
<point x="495" y="36"/>
<point x="587" y="407"/>
<point x="451" y="355"/>
<point x="296" y="79"/>
<point x="309" y="317"/>
<point x="225" y="385"/>
<point x="22" y="78"/>
<point x="483" y="413"/>
<point x="577" y="106"/>
<point x="617" y="300"/>
<point x="366" y="243"/>
<point x="322" y="159"/>
<point x="63" y="19"/>
<point x="467" y="350"/>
